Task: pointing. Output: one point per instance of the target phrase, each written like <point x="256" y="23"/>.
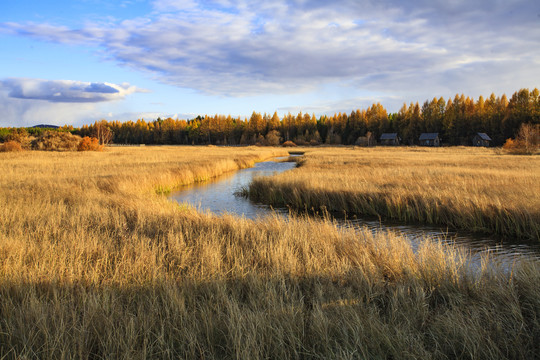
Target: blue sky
<point x="78" y="61"/>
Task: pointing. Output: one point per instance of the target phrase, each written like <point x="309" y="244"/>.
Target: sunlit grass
<point x="462" y="188"/>
<point x="95" y="264"/>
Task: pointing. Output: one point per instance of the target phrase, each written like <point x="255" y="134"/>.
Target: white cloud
<point x="65" y="91"/>
<point x="27" y="102"/>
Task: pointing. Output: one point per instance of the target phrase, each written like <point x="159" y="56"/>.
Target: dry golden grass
<point x="95" y="264"/>
<point x="463" y="188"/>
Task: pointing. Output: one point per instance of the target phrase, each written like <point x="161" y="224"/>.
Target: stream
<point x="218" y="196"/>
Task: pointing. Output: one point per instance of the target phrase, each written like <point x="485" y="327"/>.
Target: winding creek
<point x="218" y="196"/>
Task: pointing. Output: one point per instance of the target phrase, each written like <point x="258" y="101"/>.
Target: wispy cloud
<point x="331" y="107"/>
<point x="65" y="91"/>
<point x="235" y="48"/>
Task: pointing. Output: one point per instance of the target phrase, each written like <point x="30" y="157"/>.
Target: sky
<point x="77" y="61"/>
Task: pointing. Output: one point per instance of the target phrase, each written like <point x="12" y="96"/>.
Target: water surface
<point x="218" y="196"/>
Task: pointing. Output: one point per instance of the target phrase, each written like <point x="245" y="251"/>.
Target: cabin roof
<point x="389" y="136"/>
<point x="483" y="136"/>
<point x="429" y="136"/>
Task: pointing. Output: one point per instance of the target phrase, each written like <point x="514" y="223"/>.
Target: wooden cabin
<point x="430" y="139"/>
<point x="390" y="139"/>
<point x="481" y="139"/>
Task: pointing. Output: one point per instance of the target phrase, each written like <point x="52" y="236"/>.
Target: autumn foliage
<point x="11" y="146"/>
<point x="56" y="141"/>
<point x="19" y="136"/>
<point x="457" y="120"/>
<point x="289" y="144"/>
<point x="89" y="144"/>
<point x="102" y="132"/>
<point x="19" y="140"/>
<point x="527" y="141"/>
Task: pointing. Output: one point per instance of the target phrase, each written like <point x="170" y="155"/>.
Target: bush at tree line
<point x="19" y="140"/>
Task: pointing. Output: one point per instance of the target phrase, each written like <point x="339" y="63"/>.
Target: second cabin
<point x="430" y="139"/>
<point x="390" y="139"/>
<point x="481" y="139"/>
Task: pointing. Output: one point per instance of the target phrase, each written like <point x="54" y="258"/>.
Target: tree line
<point x="456" y="120"/>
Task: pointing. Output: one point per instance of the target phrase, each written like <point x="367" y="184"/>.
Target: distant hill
<point x="45" y="126"/>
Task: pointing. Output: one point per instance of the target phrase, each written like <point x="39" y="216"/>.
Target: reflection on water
<point x="218" y="197"/>
<point x="505" y="253"/>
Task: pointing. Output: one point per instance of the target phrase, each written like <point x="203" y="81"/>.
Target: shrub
<point x="300" y="140"/>
<point x="56" y="141"/>
<point x="89" y="144"/>
<point x="20" y="136"/>
<point x="4" y="133"/>
<point x="273" y="138"/>
<point x="11" y="146"/>
<point x="247" y="139"/>
<point x="512" y="146"/>
<point x="529" y="136"/>
<point x="289" y="144"/>
<point x="527" y="141"/>
<point x="260" y="140"/>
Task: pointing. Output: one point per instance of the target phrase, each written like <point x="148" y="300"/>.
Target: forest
<point x="456" y="120"/>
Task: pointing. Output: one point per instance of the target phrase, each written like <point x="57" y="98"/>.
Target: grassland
<point x="461" y="188"/>
<point x="94" y="263"/>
